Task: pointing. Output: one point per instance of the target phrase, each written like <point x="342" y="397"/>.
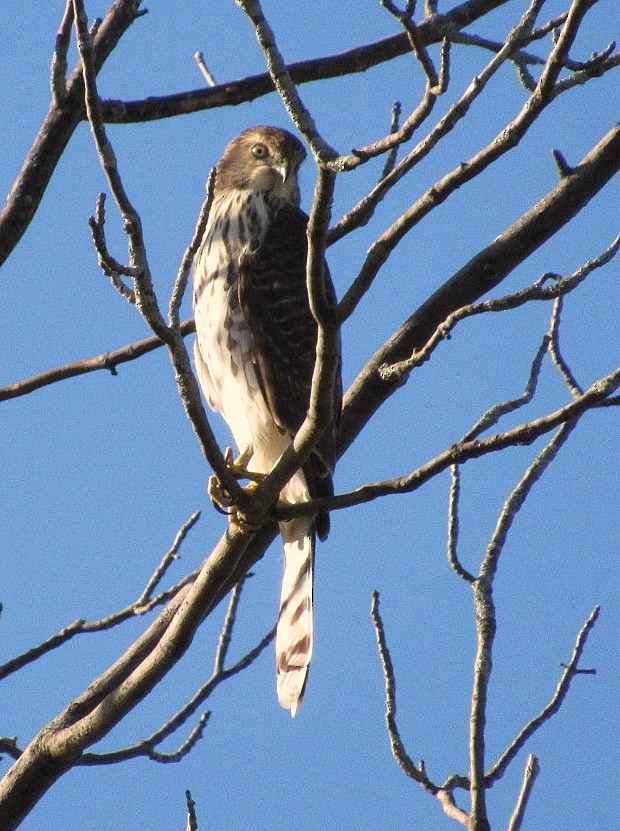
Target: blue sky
<point x="99" y="472"/>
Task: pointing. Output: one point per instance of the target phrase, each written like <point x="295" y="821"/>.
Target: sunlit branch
<point x="571" y="670"/>
<point x="359" y="59"/>
<point x="530" y="774"/>
<point x="556" y="353"/>
<point x="199" y="57"/>
<point x="506" y="140"/>
<point x="57" y="129"/>
<point x="390" y="144"/>
<point x="482" y="273"/>
<point x="58" y="72"/>
<point x="284" y="84"/>
<point x="394" y="126"/>
<point x="142" y="605"/>
<point x="363" y="211"/>
<point x="107" y="360"/>
<point x="453" y="526"/>
<point x="486" y="624"/>
<point x="497" y="411"/>
<point x="145" y="298"/>
<point x="461" y="452"/>
<point x="192" y="820"/>
<point x="147" y="747"/>
<point x="404" y="761"/>
<point x="180" y="284"/>
<point x="110" y="267"/>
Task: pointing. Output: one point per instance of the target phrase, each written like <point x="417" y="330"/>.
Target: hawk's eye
<point x="260" y="151"/>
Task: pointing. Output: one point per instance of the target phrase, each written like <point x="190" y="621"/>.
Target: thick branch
<point x="106" y="702"/>
<point x="61" y="120"/>
<point x="485" y="271"/>
<point x="524" y="434"/>
<point x="360" y="59"/>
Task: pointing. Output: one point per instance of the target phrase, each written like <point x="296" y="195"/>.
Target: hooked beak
<point x="283" y="168"/>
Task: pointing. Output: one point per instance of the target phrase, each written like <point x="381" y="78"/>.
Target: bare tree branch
<point x="461" y="452"/>
<point x="143" y="604"/>
<point x="145" y="298"/>
<point x="192" y="821"/>
<point x="60" y="122"/>
<point x="58" y="127"/>
<point x="535" y="292"/>
<point x="107" y="360"/>
<point x="571" y="670"/>
<point x="359" y="59"/>
<point x="147" y="747"/>
<point x="284" y="84"/>
<point x="453" y="526"/>
<point x="58" y="72"/>
<point x="404" y="761"/>
<point x="200" y="60"/>
<point x="506" y="140"/>
<point x="482" y="273"/>
<point x="529" y="777"/>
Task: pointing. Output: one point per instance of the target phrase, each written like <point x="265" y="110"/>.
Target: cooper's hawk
<point x="255" y="353"/>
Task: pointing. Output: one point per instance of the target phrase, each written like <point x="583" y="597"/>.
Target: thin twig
<point x="556" y="353"/>
<point x="406" y="20"/>
<point x="486" y="624"/>
<point x="143" y="285"/>
<point x="199" y="58"/>
<point x="168" y="558"/>
<point x="284" y="84"/>
<point x="143" y="604"/>
<point x="497" y="411"/>
<point x="453" y="526"/>
<point x="147" y="747"/>
<point x="107" y="360"/>
<point x="110" y="267"/>
<point x="405" y="762"/>
<point x="545" y="92"/>
<point x="360" y="214"/>
<point x="146" y="300"/>
<point x="393" y="154"/>
<point x="225" y="638"/>
<point x="394" y="139"/>
<point x="530" y="774"/>
<point x="523" y="434"/>
<point x="417" y="773"/>
<point x="180" y="284"/>
<point x="536" y="292"/>
<point x="192" y="820"/>
<point x="58" y="72"/>
<point x="571" y="670"/>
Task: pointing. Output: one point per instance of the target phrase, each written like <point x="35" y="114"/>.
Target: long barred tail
<point x="295" y="632"/>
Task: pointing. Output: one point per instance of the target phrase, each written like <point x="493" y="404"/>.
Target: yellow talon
<point x="224" y="502"/>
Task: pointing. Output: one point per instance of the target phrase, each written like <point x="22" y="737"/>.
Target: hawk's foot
<point x="225" y="504"/>
<point x="239" y="466"/>
<point x="220" y="497"/>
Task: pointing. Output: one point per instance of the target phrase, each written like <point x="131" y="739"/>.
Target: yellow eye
<point x="260" y="151"/>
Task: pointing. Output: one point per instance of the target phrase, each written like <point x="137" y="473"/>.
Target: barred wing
<point x="274" y="301"/>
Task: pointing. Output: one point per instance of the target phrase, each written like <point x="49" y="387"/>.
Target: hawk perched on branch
<point x="255" y="353"/>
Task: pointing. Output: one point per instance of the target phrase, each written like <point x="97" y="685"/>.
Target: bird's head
<point x="262" y="159"/>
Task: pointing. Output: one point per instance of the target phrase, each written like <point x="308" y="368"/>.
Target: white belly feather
<point x="224" y="343"/>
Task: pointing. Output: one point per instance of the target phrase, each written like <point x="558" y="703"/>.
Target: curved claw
<point x="224" y="504"/>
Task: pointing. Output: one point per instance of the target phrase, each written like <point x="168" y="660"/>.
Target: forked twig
<point x="416" y="772"/>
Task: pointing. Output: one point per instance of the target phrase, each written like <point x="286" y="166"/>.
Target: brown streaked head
<point x="262" y="159"/>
